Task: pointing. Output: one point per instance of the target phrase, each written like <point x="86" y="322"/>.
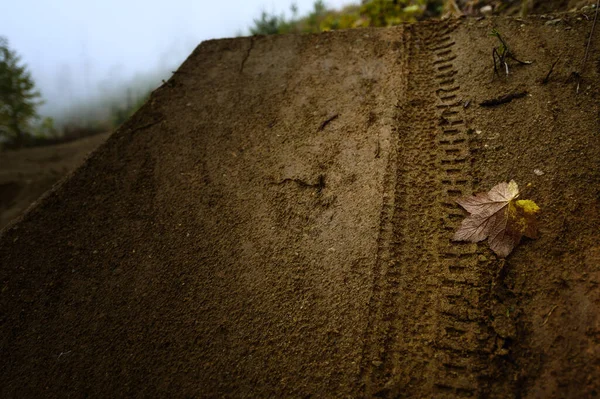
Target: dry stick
<point x="547" y="78"/>
<point x="548" y="315"/>
<point x="502" y="99"/>
<point x="587" y="48"/>
<point x="506" y="53"/>
<point x="326" y="121"/>
<point x="135" y="129"/>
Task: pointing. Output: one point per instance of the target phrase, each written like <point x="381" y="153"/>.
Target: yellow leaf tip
<point x="513" y="188"/>
<point x="528" y="206"/>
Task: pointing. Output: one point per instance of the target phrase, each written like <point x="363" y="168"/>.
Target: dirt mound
<point x="28" y="173"/>
<point x="276" y="221"/>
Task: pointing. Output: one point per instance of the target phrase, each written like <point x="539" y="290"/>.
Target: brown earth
<point x="276" y="221"/>
<point x="26" y="174"/>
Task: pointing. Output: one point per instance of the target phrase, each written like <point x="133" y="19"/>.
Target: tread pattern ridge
<point x="376" y="339"/>
<point x="426" y="332"/>
<point x="463" y="343"/>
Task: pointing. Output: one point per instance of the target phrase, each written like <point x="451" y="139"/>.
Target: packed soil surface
<point x="28" y="173"/>
<point x="276" y="221"/>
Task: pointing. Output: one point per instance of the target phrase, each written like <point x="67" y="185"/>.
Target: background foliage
<point x="371" y="13"/>
<point x="18" y="97"/>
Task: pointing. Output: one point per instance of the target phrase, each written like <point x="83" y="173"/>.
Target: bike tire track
<point x="463" y="344"/>
<point x="427" y="331"/>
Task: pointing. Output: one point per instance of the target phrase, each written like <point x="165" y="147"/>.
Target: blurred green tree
<point x="267" y="24"/>
<point x="382" y="13"/>
<point x="18" y="97"/>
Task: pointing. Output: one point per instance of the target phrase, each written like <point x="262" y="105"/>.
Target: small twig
<point x="501" y="61"/>
<point x="548" y="315"/>
<point x="326" y="121"/>
<point x="502" y="53"/>
<point x="587" y="47"/>
<point x="547" y="78"/>
<point x="512" y="57"/>
<point x="503" y="99"/>
<point x="146" y="125"/>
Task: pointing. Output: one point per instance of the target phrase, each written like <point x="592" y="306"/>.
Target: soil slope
<point x="26" y="174"/>
<point x="276" y="222"/>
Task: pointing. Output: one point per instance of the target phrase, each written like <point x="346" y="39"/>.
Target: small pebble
<point x="485" y="10"/>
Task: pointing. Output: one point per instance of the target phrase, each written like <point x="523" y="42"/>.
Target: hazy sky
<point x="78" y="49"/>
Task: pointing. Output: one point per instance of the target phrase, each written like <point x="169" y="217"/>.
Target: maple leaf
<point x="499" y="215"/>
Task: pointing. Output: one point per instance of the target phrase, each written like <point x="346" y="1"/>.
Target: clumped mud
<point x="276" y="221"/>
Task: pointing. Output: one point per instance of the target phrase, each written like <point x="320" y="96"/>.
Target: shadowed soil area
<point x="276" y="222"/>
<point x="26" y="174"/>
